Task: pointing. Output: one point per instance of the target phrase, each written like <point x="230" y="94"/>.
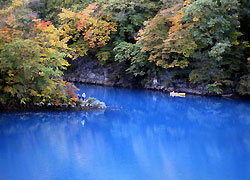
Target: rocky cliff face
<point x="90" y="71"/>
<point x="86" y="70"/>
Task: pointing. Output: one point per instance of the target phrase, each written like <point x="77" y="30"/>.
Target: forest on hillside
<point x="202" y="42"/>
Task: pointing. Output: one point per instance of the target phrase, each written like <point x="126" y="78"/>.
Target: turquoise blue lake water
<point x="143" y="135"/>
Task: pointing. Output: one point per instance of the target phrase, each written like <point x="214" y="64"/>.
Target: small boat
<point x="175" y="94"/>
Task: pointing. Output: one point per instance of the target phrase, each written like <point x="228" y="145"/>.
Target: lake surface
<point x="143" y="135"/>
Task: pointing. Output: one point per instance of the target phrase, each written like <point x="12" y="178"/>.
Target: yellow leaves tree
<point x="179" y="40"/>
<point x="87" y="29"/>
<point x="32" y="57"/>
<point x="166" y="39"/>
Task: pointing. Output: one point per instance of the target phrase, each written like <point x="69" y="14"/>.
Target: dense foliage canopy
<point x="32" y="57"/>
<point x="204" y="41"/>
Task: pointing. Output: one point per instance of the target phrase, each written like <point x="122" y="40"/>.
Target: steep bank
<point x="86" y="70"/>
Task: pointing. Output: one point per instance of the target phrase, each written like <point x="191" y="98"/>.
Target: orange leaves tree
<point x="166" y="39"/>
<point x="32" y="57"/>
<point x="86" y="30"/>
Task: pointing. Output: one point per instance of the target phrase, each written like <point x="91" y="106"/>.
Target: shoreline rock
<point x="89" y="71"/>
<point x="84" y="105"/>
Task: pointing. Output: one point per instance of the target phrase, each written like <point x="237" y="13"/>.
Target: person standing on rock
<point x="83" y="96"/>
<point x="79" y="96"/>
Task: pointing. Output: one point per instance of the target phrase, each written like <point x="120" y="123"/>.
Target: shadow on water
<point x="142" y="135"/>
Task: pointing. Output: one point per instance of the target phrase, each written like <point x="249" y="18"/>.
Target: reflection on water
<point x="142" y="135"/>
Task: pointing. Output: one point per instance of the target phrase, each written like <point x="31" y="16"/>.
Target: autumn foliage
<point x="32" y="57"/>
<point x="202" y="42"/>
<point x="204" y="36"/>
<point x="166" y="40"/>
<point x="87" y="29"/>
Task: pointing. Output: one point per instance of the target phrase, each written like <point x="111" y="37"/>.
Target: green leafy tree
<point x="135" y="60"/>
<point x="129" y="15"/>
<point x="244" y="17"/>
<point x="203" y="34"/>
<point x="214" y="27"/>
<point x="49" y="9"/>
